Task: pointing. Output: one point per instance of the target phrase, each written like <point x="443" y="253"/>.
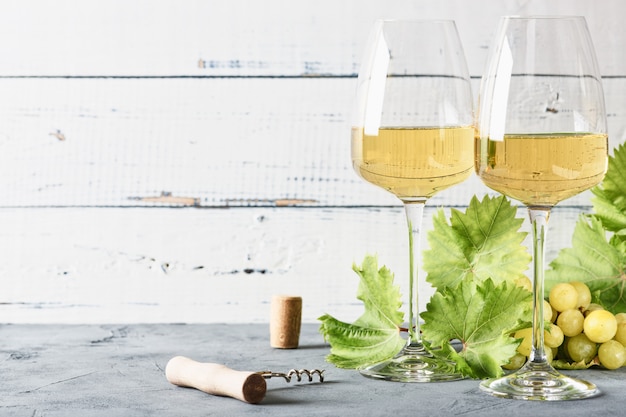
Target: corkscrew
<point x="218" y="379"/>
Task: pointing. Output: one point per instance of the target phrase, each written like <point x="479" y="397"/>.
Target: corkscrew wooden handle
<point x="216" y="379"/>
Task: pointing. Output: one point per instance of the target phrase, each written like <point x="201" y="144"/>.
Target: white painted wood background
<point x="183" y="161"/>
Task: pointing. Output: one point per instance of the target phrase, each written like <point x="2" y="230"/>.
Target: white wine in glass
<point x="541" y="138"/>
<point x="413" y="136"/>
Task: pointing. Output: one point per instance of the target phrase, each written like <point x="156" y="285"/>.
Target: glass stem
<point x="414" y="213"/>
<point x="539" y="217"/>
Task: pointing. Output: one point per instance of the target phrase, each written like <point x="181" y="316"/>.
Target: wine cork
<point x="286" y="316"/>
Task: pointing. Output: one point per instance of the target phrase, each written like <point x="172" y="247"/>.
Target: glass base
<point x="413" y="364"/>
<point x="540" y="382"/>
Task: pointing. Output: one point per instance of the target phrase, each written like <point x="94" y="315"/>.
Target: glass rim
<point x="543" y="17"/>
<point x="402" y="20"/>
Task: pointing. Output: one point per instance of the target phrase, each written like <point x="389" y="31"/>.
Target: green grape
<point x="553" y="337"/>
<point x="600" y="326"/>
<point x="584" y="294"/>
<point x="620" y="333"/>
<point x="562" y="351"/>
<point x="527" y="341"/>
<point x="554" y="314"/>
<point x="515" y="362"/>
<point x="571" y="322"/>
<point x="549" y="314"/>
<point x="580" y="348"/>
<point x="612" y="354"/>
<point x="593" y="307"/>
<point x="549" y="353"/>
<point x="563" y="296"/>
<point x="620" y="317"/>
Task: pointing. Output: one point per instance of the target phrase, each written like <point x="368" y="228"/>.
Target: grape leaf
<point x="609" y="202"/>
<point x="572" y="366"/>
<point x="594" y="260"/>
<point x="598" y="253"/>
<point x="484" y="242"/>
<point x="481" y="315"/>
<point x="612" y="218"/>
<point x="375" y="336"/>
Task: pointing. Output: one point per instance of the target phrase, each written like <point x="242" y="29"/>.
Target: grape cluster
<point x="579" y="331"/>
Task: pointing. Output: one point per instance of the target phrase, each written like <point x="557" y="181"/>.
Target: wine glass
<point x="413" y="136"/>
<point x="541" y="138"/>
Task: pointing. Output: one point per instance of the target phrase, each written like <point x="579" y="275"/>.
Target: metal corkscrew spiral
<point x="294" y="372"/>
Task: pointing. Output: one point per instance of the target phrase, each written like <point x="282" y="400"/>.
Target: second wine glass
<point x="413" y="136"/>
<point x="541" y="138"/>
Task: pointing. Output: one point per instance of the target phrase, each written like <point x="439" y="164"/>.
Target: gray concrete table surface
<point x="118" y="370"/>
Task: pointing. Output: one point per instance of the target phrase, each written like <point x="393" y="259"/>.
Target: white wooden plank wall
<point x="183" y="161"/>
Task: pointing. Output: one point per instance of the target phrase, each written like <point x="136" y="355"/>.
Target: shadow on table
<point x="294" y="394"/>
